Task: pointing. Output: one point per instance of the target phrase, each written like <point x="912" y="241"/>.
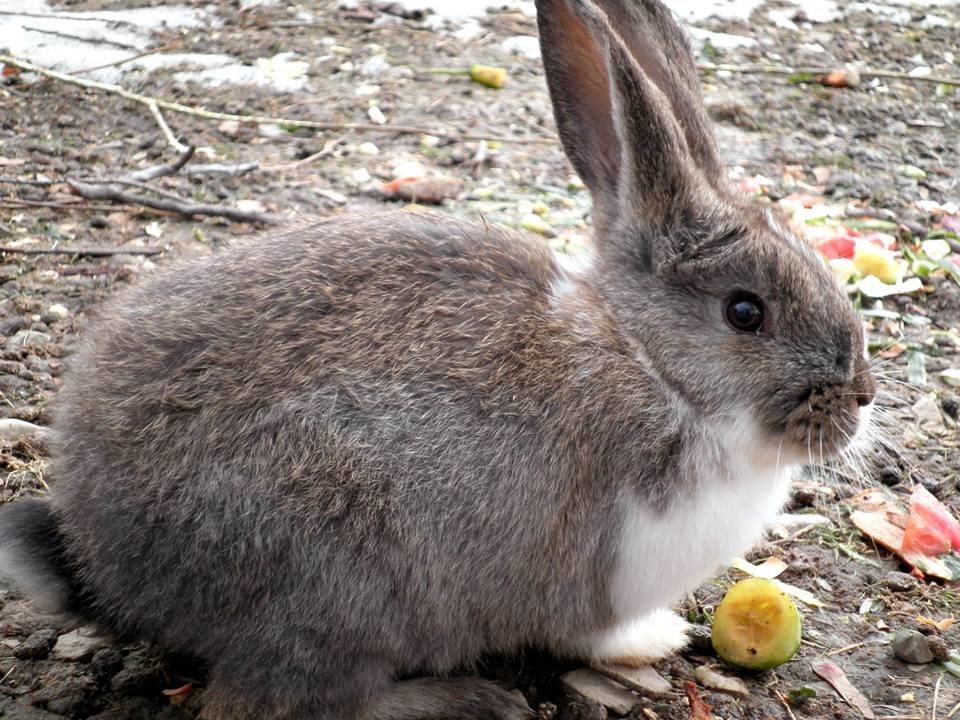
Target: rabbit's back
<point x="345" y="422"/>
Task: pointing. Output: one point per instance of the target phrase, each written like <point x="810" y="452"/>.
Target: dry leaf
<point x="699" y="710"/>
<point x="832" y="673"/>
<point x="940" y="625"/>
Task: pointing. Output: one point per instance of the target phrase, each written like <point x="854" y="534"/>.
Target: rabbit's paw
<point x="642" y="641"/>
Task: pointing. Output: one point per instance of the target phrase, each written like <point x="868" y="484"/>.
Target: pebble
<point x="13" y="430"/>
<point x="79" y="644"/>
<point x="710" y="678"/>
<point x="37" y="646"/>
<point x="890" y="475"/>
<point x="699" y="639"/>
<point x="106" y="663"/>
<point x="912" y="647"/>
<point x="594" y="686"/>
<point x="28" y="340"/>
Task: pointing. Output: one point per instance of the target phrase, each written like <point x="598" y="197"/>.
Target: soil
<point x="857" y="139"/>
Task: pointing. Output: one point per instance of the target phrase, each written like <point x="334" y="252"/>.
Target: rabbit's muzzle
<point x="829" y="417"/>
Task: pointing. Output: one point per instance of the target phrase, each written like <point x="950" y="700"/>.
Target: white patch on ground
<point x="103" y="37"/>
<point x="721" y="41"/>
<point x="526" y="45"/>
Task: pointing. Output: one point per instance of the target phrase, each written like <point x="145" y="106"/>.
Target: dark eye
<point x="745" y="313"/>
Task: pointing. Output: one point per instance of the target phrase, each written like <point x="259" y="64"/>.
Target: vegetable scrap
<point x="756" y="626"/>
<point x="925" y="535"/>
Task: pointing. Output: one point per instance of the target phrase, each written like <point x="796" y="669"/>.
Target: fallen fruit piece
<point x="491" y="77"/>
<point x="756" y="626"/>
<point x="874" y="260"/>
<point x="931" y="530"/>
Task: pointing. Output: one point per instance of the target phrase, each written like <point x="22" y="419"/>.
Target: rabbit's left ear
<point x="616" y="124"/>
<point x="662" y="51"/>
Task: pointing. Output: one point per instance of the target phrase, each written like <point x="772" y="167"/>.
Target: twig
<point x="182" y="206"/>
<point x="954" y="711"/>
<point x="327" y="149"/>
<point x="4" y="180"/>
<point x="780" y="70"/>
<point x="64" y="16"/>
<point x="164" y="128"/>
<point x="222" y="169"/>
<point x="936" y="697"/>
<point x="626" y="682"/>
<point x="124" y="61"/>
<point x="846" y="648"/>
<point x="20" y="204"/>
<point x="81" y="38"/>
<point x="133" y="183"/>
<point x="91" y="251"/>
<point x="786" y="705"/>
<point x="288" y="122"/>
<point x="155" y="171"/>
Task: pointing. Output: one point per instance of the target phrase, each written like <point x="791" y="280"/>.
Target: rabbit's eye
<point x="745" y="313"/>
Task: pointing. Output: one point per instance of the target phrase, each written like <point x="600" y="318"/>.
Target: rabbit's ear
<point x="615" y="123"/>
<point x="662" y="51"/>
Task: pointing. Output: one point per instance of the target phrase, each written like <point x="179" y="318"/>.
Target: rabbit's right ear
<point x="616" y="125"/>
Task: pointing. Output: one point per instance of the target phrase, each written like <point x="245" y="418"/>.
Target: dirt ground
<point x="842" y="144"/>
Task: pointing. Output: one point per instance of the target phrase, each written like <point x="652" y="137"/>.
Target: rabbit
<point x="340" y="462"/>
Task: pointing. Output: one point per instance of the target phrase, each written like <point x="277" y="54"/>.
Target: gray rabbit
<point x="374" y="447"/>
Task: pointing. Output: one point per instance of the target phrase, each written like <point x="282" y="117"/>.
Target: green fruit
<point x="756" y="626"/>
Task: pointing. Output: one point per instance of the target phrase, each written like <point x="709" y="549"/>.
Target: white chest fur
<point x="730" y="492"/>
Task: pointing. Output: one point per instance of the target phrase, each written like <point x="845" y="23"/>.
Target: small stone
<point x="912" y="172"/>
<point x="9" y="710"/>
<point x="912" y="647"/>
<point x="28" y="340"/>
<point x="37" y="646"/>
<point x="13" y="430"/>
<point x="374" y="65"/>
<point x="900" y="581"/>
<point x="710" y="678"/>
<point x="600" y="689"/>
<point x="368" y="148"/>
<point x="927" y="412"/>
<point x="79" y="644"/>
<point x="644" y="676"/>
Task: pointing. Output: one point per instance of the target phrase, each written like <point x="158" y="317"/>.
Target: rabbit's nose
<point x="864" y="384"/>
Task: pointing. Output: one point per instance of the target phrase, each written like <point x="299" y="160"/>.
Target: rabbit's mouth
<point x="828" y="419"/>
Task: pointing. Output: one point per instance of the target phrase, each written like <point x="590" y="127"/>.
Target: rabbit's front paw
<point x="642" y="641"/>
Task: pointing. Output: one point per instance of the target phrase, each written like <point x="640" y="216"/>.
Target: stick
<point x="182" y="206"/>
<point x="327" y="149"/>
<point x="936" y="697"/>
<point x="289" y="122"/>
<point x="20" y="204"/>
<point x="5" y="180"/>
<point x="58" y="16"/>
<point x="81" y="38"/>
<point x="91" y="251"/>
<point x="222" y="169"/>
<point x="133" y="183"/>
<point x="779" y="70"/>
<point x="155" y="171"/>
<point x="162" y="48"/>
<point x="165" y="129"/>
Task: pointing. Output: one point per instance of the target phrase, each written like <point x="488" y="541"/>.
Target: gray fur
<point x="378" y="446"/>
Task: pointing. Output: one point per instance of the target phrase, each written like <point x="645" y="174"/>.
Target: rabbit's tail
<point x="33" y="557"/>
